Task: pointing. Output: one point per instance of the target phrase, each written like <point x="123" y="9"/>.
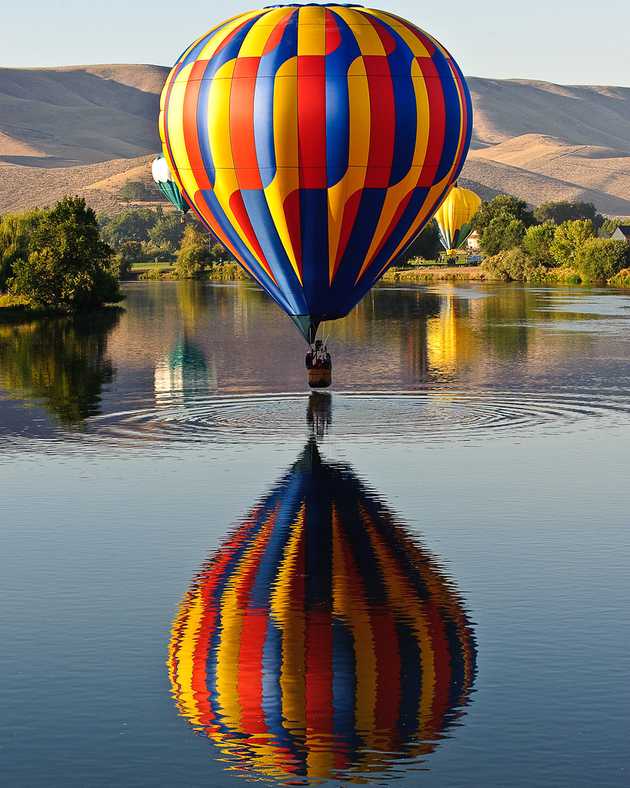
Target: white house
<point x="622" y="233"/>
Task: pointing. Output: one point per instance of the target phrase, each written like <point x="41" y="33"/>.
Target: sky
<point x="564" y="41"/>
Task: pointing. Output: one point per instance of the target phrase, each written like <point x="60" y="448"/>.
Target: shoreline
<point x="437" y="273"/>
<point x="232" y="272"/>
<point x="15" y="312"/>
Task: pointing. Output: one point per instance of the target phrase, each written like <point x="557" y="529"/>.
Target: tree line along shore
<point x="67" y="259"/>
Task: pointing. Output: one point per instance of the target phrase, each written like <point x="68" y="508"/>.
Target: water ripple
<point x="417" y="416"/>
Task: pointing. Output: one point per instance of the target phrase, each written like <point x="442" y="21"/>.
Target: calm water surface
<point x="210" y="577"/>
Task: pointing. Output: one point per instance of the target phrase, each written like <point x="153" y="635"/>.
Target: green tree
<point x="68" y="267"/>
<point x="128" y="253"/>
<point x="503" y="232"/>
<point x="16" y="231"/>
<point x="537" y="242"/>
<point x="132" y="224"/>
<point x="166" y="234"/>
<point x="426" y="245"/>
<point x="194" y="255"/>
<point x="501" y="206"/>
<point x="569" y="238"/>
<point x="564" y="211"/>
<point x="131" y="252"/>
<point x="598" y="259"/>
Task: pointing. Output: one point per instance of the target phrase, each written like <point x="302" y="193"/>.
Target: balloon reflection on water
<point x="321" y="641"/>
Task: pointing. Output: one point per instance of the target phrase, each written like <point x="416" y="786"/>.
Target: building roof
<point x="625" y="229"/>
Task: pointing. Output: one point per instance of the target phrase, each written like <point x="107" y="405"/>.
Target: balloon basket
<point x="319" y="378"/>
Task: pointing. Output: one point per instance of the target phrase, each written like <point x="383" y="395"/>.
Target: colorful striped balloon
<point x="455" y="217"/>
<point x="321" y="641"/>
<point x="315" y="142"/>
<point x="168" y="188"/>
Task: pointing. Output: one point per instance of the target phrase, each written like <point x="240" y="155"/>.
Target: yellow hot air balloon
<point x="455" y="216"/>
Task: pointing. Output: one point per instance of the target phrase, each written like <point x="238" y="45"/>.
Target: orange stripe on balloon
<point x="311" y="82"/>
<point x="442" y="652"/>
<point x="242" y="139"/>
<point x="191" y="137"/>
<point x="388" y="659"/>
<point x="292" y="214"/>
<point x="251" y="671"/>
<point x="437" y="122"/>
<point x="319" y="674"/>
<point x="382" y="121"/>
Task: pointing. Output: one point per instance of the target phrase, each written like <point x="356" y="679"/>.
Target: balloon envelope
<point x="455" y="217"/>
<point x="167" y="186"/>
<point x="321" y="640"/>
<point x="315" y="142"/>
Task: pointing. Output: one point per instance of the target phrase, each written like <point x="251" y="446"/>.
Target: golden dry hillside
<point x="88" y="129"/>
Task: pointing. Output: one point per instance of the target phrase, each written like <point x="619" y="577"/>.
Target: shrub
<point x="599" y="259"/>
<point x="16" y="231"/>
<point x="621" y="278"/>
<point x="569" y="239"/>
<point x="537" y="242"/>
<point x="229" y="271"/>
<point x="194" y="255"/>
<point x="68" y="267"/>
<point x="513" y="265"/>
<point x="152" y="275"/>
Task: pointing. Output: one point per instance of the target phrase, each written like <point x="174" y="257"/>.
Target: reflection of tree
<point x="193" y="299"/>
<point x="505" y="317"/>
<point x="321" y="642"/>
<point x="60" y="362"/>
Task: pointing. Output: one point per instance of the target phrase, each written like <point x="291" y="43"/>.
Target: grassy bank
<point x="16" y="309"/>
<point x="429" y="271"/>
<point x="436" y="273"/>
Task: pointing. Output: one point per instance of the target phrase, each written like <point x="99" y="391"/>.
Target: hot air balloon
<point x="321" y="641"/>
<point x="455" y="217"/>
<point x="167" y="186"/>
<point x="315" y="142"/>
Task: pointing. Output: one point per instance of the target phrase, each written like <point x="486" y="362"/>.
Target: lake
<point x="210" y="576"/>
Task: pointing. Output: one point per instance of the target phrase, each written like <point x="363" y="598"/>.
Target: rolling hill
<point x="88" y="129"/>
